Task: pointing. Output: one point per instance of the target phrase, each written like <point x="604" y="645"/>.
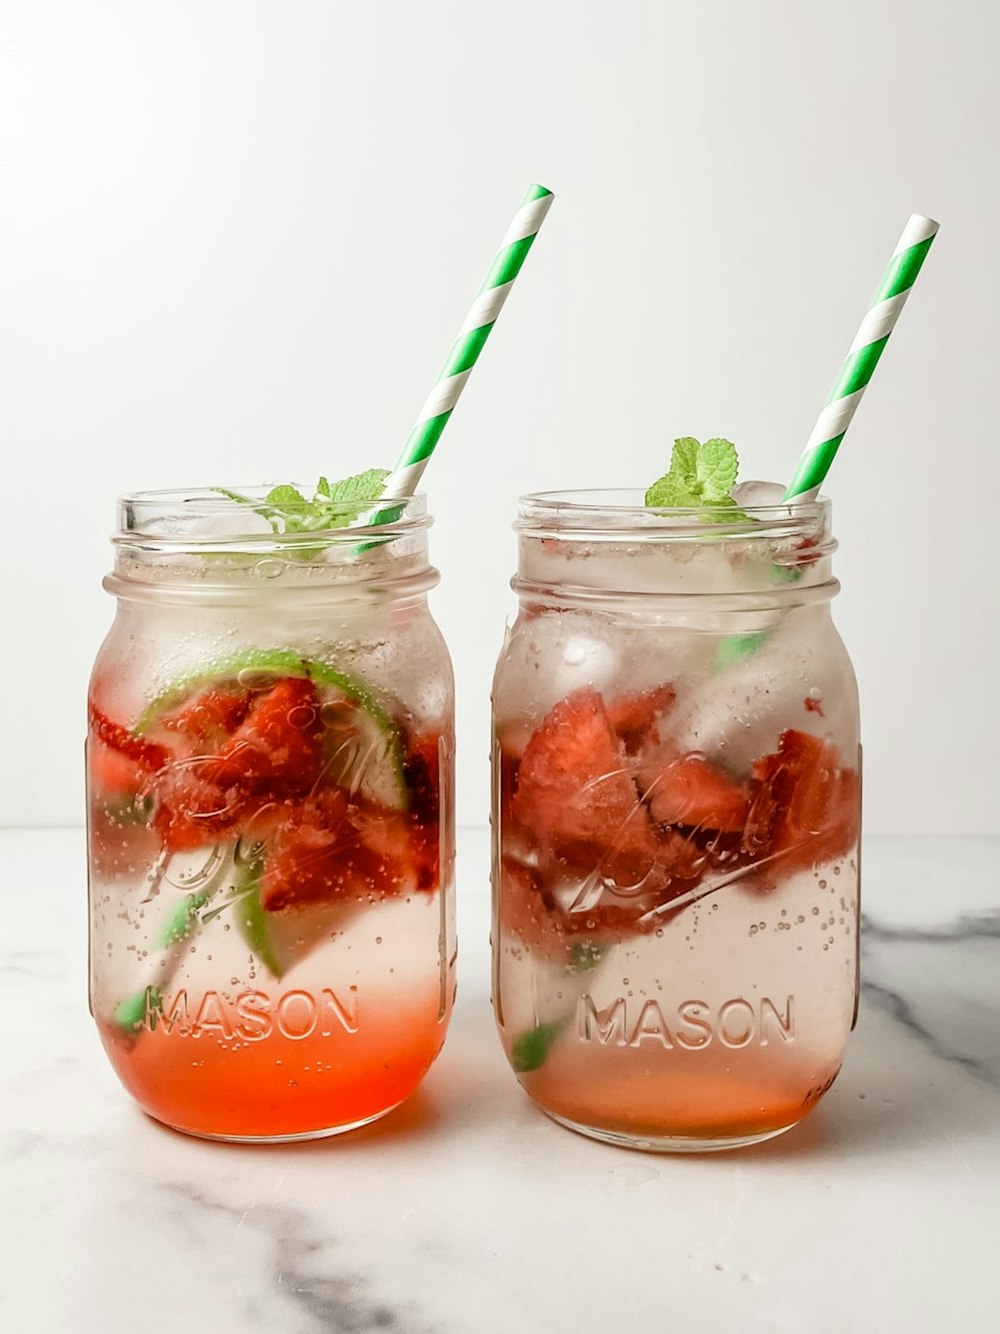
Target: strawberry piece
<point x="636" y="717"/>
<point x="147" y="754"/>
<point x="278" y="748"/>
<point x="816" y="803"/>
<point x="327" y="850"/>
<point x="576" y="799"/>
<point x="112" y="774"/>
<point x="690" y="791"/>
<point x="207" y="719"/>
<point x="274" y="754"/>
<point x="422" y="772"/>
<point x="528" y="912"/>
<point x="193" y="809"/>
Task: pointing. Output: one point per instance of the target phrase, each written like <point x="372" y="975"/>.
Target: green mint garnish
<point x="700" y="477"/>
<point x="334" y="505"/>
<point x="529" y="1049"/>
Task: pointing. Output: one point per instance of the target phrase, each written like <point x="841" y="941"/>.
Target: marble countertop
<point x="467" y="1211"/>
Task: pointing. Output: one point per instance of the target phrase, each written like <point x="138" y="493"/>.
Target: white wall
<point x="237" y="237"/>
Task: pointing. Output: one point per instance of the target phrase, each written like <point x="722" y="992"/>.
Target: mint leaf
<point x="285" y="495"/>
<point x="684" y="459"/>
<point x="361" y="489"/>
<point x="717" y="466"/>
<point x="670" y="492"/>
<point x="334" y="505"/>
<point x="700" y="477"/>
<point x="529" y="1049"/>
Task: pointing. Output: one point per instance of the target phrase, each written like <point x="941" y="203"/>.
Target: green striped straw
<point x="857" y="370"/>
<point x="440" y="403"/>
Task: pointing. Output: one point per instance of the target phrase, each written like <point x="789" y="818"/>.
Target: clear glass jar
<point x="676" y="818"/>
<point x="270" y="818"/>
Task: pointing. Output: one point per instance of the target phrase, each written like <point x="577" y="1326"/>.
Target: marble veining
<point x="943" y="984"/>
<point x="467" y="1211"/>
<point x="302" y="1265"/>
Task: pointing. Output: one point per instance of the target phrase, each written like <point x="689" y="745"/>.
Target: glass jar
<point x="270" y="818"/>
<point x="675" y="820"/>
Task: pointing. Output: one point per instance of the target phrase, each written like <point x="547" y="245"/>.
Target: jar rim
<point x="183" y="516"/>
<point x="611" y="512"/>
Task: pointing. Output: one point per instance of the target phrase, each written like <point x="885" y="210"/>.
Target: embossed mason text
<point x="691" y="1025"/>
<point x="252" y="1015"/>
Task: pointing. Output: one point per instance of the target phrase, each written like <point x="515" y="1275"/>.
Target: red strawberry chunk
<point x="422" y="771"/>
<point x="208" y="718"/>
<point x="327" y="849"/>
<point x="636" y="717"/>
<point x="193" y="809"/>
<point x="278" y="748"/>
<point x="690" y="791"/>
<point x="112" y="774"/>
<point x="575" y="796"/>
<point x="147" y="754"/>
<point x="816" y="803"/>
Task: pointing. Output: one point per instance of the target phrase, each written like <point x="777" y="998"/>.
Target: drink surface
<point x="270" y="777"/>
<point x="676" y="816"/>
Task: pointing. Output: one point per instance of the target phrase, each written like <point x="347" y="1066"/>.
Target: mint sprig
<point x="334" y="504"/>
<point x="700" y="477"/>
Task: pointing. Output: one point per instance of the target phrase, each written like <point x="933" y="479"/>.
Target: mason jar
<point x="270" y="817"/>
<point x="676" y="779"/>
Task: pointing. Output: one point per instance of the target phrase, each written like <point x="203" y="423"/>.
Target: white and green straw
<point x="440" y="402"/>
<point x="857" y="370"/>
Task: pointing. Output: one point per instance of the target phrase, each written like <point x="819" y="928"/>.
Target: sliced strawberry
<point x="192" y="808"/>
<point x="689" y="791"/>
<point x="572" y="785"/>
<point x="278" y="748"/>
<point x="816" y="803"/>
<point x="422" y="772"/>
<point x="528" y="912"/>
<point x="111" y="774"/>
<point x="636" y="717"/>
<point x="575" y="798"/>
<point x="147" y="754"/>
<point x="207" y="719"/>
<point x="327" y="850"/>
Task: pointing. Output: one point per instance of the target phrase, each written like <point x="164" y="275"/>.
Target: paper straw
<point x="861" y="360"/>
<point x="440" y="402"/>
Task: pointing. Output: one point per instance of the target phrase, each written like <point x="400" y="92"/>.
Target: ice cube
<point x="737" y="714"/>
<point x="238" y="521"/>
<point x="750" y="495"/>
<point x="548" y="657"/>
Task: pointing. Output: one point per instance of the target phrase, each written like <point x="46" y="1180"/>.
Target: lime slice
<point x="365" y="752"/>
<point x="252" y="919"/>
<point x="269" y="661"/>
<point x="183" y="920"/>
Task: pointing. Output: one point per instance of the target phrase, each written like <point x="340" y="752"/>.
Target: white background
<point x="236" y="239"/>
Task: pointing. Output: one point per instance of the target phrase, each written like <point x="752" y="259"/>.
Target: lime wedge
<point x="252" y="920"/>
<point x="279" y="661"/>
<point x="183" y="920"/>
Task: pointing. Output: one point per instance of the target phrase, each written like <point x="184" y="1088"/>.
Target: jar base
<point x="296" y="1137"/>
<point x="667" y="1143"/>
